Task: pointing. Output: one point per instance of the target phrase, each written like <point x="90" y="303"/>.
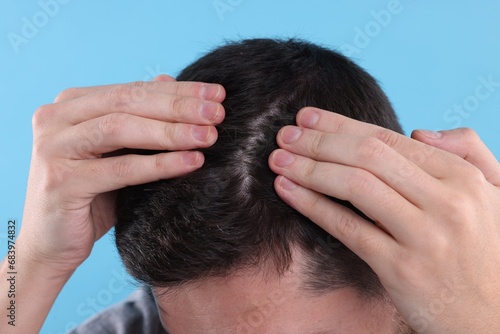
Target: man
<point x="237" y="259"/>
<point x="224" y="225"/>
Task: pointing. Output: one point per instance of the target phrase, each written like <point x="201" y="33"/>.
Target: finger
<point x="140" y="102"/>
<point x="206" y="91"/>
<point x="103" y="213"/>
<point x="361" y="188"/>
<point x="466" y="144"/>
<point x="431" y="160"/>
<point x="97" y="176"/>
<point x="163" y="77"/>
<point x="366" y="240"/>
<point x="363" y="152"/>
<point x="116" y="131"/>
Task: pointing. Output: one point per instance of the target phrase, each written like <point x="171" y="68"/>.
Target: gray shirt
<point x="137" y="314"/>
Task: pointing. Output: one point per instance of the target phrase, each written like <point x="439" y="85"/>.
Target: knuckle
<point x="42" y="115"/>
<point x="470" y="136"/>
<point x="422" y="154"/>
<point x="41" y="146"/>
<point x="56" y="176"/>
<point x="406" y="270"/>
<point x="388" y="137"/>
<point x="386" y="201"/>
<point x="159" y="162"/>
<point x="317" y="144"/>
<point x="359" y="183"/>
<point x="456" y="205"/>
<point x="178" y="105"/>
<point x="475" y="178"/>
<point x="470" y="177"/>
<point x="112" y="124"/>
<point x="124" y="97"/>
<point x="139" y="84"/>
<point x="441" y="245"/>
<point x="366" y="244"/>
<point x="406" y="171"/>
<point x="121" y="167"/>
<point x="119" y="97"/>
<point x="314" y="203"/>
<point x="178" y="88"/>
<point x="338" y="123"/>
<point x="66" y="94"/>
<point x="346" y="227"/>
<point x="370" y="149"/>
<point x="57" y="173"/>
<point x="309" y="168"/>
<point x="171" y="132"/>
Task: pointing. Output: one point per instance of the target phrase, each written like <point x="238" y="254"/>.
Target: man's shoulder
<point x="137" y="314"/>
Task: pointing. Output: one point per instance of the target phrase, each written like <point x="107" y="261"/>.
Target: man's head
<point x="219" y="242"/>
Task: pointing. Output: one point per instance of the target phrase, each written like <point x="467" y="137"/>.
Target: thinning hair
<point x="226" y="216"/>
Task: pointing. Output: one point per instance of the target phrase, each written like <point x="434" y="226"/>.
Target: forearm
<point x="28" y="290"/>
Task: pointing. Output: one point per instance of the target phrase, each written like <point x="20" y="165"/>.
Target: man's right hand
<point x="70" y="195"/>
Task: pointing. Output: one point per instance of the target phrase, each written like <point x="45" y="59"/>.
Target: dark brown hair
<point x="226" y="215"/>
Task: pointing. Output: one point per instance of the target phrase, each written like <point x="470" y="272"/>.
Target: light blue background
<point x="428" y="57"/>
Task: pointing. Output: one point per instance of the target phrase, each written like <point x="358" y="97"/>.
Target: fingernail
<point x="287" y="184"/>
<point x="431" y="134"/>
<point x="290" y="134"/>
<point x="209" y="92"/>
<point x="200" y="132"/>
<point x="209" y="110"/>
<point x="191" y="158"/>
<point x="309" y="118"/>
<point x="283" y="158"/>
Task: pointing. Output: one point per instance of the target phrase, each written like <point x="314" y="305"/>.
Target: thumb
<point x="465" y="143"/>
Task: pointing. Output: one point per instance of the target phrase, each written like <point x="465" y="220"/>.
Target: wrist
<point x="28" y="289"/>
<point x="38" y="264"/>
